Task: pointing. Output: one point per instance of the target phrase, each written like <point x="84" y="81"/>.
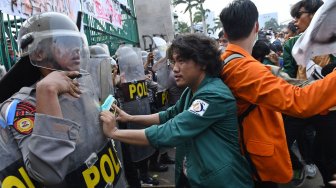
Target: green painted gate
<point x="95" y="30"/>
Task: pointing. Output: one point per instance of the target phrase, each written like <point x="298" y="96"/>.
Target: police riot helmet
<point x="53" y="41"/>
<point x="105" y="47"/>
<point x="144" y="55"/>
<point x="161" y="46"/>
<point x="130" y="63"/>
<point x="97" y="51"/>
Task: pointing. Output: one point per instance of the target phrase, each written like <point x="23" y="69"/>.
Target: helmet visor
<point x="58" y="50"/>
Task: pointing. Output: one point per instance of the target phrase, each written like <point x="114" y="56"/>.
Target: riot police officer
<point x="133" y="99"/>
<point x="54" y="116"/>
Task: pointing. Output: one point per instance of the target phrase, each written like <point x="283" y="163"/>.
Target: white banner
<point x="106" y="10"/>
<point x="123" y="2"/>
<point x="27" y="8"/>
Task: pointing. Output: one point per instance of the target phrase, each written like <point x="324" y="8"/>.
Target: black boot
<point x="146" y="180"/>
<point x="158" y="167"/>
<point x="165" y="159"/>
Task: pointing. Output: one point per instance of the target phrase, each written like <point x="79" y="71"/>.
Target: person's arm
<point x="256" y="84"/>
<point x="182" y="127"/>
<point x="274" y="58"/>
<point x="191" y="122"/>
<point x="151" y="119"/>
<point x="150" y="58"/>
<point x="146" y="120"/>
<point x="137" y="137"/>
<point x="46" y="149"/>
<point x="115" y="76"/>
<point x="50" y="87"/>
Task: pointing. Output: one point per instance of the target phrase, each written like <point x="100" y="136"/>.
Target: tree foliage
<point x="190" y="5"/>
<point x="197" y="14"/>
<point x="218" y="25"/>
<point x="183" y="27"/>
<point x="272" y="23"/>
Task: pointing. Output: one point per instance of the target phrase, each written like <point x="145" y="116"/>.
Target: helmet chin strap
<point x="53" y="63"/>
<point x="57" y="67"/>
<point x="49" y="63"/>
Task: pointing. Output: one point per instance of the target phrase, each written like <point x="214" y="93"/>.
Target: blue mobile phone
<point x="108" y="103"/>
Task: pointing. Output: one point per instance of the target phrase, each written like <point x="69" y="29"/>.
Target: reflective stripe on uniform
<point x="10" y="112"/>
<point x="230" y="58"/>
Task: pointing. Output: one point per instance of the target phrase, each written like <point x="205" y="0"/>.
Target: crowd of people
<point x="233" y="109"/>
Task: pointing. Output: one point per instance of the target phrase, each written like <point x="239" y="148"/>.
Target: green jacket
<point x="289" y="63"/>
<point x="203" y="127"/>
<point x="267" y="62"/>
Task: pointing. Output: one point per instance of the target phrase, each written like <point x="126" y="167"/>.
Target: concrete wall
<point x="154" y="17"/>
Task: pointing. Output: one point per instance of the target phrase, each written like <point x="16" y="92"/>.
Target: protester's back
<point x="252" y="83"/>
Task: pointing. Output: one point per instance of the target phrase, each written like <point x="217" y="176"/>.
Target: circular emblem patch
<point x="24" y="125"/>
<point x="197" y="107"/>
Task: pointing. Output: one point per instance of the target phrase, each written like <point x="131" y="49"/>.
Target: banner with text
<point x="105" y="10"/>
<point x="27" y="8"/>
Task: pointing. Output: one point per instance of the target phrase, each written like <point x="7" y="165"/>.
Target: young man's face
<point x="186" y="72"/>
<point x="223" y="41"/>
<point x="303" y="19"/>
<point x="288" y="34"/>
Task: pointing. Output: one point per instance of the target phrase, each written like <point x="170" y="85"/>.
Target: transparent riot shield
<point x="162" y="74"/>
<point x="161" y="45"/>
<point x="134" y="94"/>
<point x="57" y="50"/>
<point x="144" y="56"/>
<point x="101" y="72"/>
<point x="130" y="64"/>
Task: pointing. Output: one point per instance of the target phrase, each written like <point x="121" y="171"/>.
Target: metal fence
<point x="102" y="32"/>
<point x="95" y="30"/>
<point x="9" y="27"/>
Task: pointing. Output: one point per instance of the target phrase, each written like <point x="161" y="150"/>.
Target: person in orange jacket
<point x="266" y="96"/>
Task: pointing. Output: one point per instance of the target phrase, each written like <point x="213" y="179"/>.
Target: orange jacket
<point x="264" y="134"/>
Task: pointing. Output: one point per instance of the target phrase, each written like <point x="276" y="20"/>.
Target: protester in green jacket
<point x="290" y="66"/>
<point x="202" y="125"/>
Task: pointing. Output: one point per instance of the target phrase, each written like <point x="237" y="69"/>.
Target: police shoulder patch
<point x="24" y="118"/>
<point x="198" y="107"/>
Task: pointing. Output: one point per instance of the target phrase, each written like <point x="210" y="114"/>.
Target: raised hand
<point x="122" y="115"/>
<point x="109" y="123"/>
<point x="61" y="82"/>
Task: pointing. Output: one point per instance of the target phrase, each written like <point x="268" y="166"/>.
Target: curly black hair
<point x="201" y="49"/>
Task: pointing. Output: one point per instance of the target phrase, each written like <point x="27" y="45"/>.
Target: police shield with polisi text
<point x="134" y="93"/>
